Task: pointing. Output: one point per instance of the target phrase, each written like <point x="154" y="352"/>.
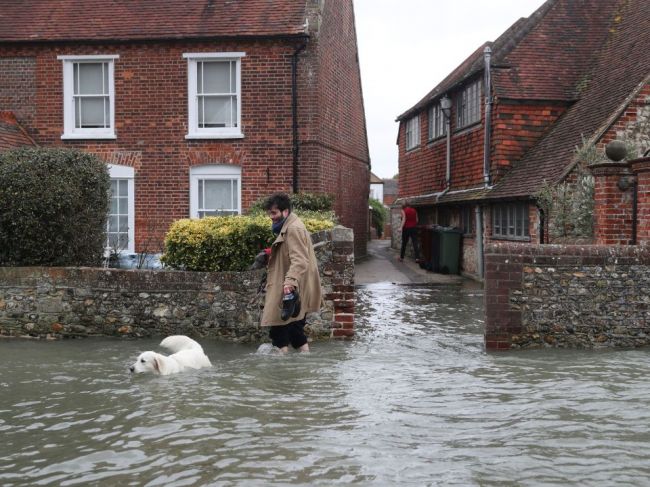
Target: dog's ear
<point x="156" y="364"/>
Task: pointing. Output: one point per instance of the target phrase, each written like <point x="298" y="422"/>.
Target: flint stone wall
<point x="54" y="302"/>
<point x="566" y="296"/>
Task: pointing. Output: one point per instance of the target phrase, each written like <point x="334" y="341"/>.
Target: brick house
<point x="198" y="108"/>
<point x="474" y="152"/>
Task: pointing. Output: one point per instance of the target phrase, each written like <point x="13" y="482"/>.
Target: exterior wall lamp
<point x="445" y="105"/>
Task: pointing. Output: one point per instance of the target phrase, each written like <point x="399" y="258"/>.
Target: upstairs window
<point x="468" y="108"/>
<point x="214" y="95"/>
<point x="88" y="97"/>
<point x="510" y="221"/>
<point x="437" y="122"/>
<point x="413" y="132"/>
<point x="215" y="190"/>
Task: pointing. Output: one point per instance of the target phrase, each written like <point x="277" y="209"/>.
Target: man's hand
<point x="260" y="261"/>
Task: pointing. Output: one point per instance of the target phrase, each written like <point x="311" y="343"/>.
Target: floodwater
<point x="414" y="400"/>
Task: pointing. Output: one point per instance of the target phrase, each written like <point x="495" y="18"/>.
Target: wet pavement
<point x="382" y="265"/>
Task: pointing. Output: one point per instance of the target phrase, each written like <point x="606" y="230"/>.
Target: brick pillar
<point x="613" y="194"/>
<point x="641" y="168"/>
<point x="342" y="294"/>
<point x="503" y="278"/>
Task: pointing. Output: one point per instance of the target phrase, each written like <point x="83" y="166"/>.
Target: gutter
<point x="294" y="114"/>
<point x="487" y="55"/>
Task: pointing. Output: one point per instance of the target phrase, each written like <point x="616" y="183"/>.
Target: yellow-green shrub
<point x="223" y="243"/>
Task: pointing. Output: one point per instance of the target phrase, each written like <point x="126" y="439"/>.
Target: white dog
<point x="187" y="354"/>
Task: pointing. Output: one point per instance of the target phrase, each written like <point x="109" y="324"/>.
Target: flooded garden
<point x="414" y="400"/>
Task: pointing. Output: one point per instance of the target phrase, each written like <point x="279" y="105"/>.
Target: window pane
<point x="91" y="79"/>
<point x="123" y="206"/>
<point x="216" y="77"/>
<point x="113" y="223"/>
<point x="123" y="224"/>
<point x="90" y="112"/>
<point x="216" y="111"/>
<point x="235" y="193"/>
<point x="114" y="206"/>
<point x="124" y="187"/>
<point x="520" y="220"/>
<point x="217" y="194"/>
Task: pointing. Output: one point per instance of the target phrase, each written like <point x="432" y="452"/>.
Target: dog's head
<point x="147" y="362"/>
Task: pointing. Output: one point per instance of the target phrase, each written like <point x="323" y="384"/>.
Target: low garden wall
<point x="567" y="296"/>
<point x="67" y="302"/>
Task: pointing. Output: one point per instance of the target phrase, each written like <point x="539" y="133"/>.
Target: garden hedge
<point x="53" y="207"/>
<point x="224" y="243"/>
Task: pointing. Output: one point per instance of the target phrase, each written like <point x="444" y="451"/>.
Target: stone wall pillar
<point x="613" y="193"/>
<point x="641" y="168"/>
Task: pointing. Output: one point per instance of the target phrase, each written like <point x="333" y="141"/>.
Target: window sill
<point x="413" y="148"/>
<point x="214" y="136"/>
<point x="88" y="136"/>
<point x="513" y="239"/>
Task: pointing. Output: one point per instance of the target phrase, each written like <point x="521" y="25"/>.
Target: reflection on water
<point x="414" y="400"/>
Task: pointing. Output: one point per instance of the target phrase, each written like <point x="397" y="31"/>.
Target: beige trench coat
<point x="292" y="262"/>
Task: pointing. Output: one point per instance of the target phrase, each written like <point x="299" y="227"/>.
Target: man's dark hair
<point x="280" y="200"/>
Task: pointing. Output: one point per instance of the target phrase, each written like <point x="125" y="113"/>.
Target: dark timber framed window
<point x="510" y="221"/>
<point x="468" y="105"/>
<point x="413" y="132"/>
<point x="466" y="220"/>
<point x="437" y="125"/>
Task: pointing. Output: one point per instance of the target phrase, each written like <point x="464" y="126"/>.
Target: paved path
<point x="382" y="265"/>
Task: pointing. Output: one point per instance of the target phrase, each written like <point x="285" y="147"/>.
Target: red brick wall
<point x="151" y="120"/>
<point x="334" y="146"/>
<point x="18" y="87"/>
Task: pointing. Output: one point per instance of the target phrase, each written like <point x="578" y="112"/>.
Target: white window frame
<point x="413" y="132"/>
<point x="213" y="172"/>
<point x="128" y="173"/>
<point x="194" y="132"/>
<point x="69" y="129"/>
<point x="468" y="108"/>
<point x="437" y="122"/>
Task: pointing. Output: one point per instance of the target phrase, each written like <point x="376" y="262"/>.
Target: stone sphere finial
<point x="616" y="150"/>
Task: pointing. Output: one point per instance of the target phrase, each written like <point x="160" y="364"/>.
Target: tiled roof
<point x="619" y="71"/>
<point x="12" y="135"/>
<point x="541" y="57"/>
<point x="45" y="20"/>
<point x="374" y="179"/>
<point x="391" y="187"/>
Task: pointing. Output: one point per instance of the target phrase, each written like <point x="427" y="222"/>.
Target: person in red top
<point x="409" y="230"/>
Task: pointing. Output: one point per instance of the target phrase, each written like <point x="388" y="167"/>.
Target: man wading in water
<point x="293" y="282"/>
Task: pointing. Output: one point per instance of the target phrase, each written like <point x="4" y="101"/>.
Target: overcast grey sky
<point x="406" y="47"/>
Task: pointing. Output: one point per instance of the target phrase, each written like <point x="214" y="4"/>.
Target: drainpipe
<point x="635" y="210"/>
<point x="445" y="105"/>
<point x="541" y="224"/>
<point x="479" y="240"/>
<point x="294" y="113"/>
<point x="487" y="55"/>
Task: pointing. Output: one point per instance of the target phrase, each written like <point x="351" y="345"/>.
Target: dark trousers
<point x="411" y="233"/>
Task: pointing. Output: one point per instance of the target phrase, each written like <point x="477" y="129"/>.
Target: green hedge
<point x="379" y="215"/>
<point x="224" y="243"/>
<point x="305" y="202"/>
<point x="53" y="207"/>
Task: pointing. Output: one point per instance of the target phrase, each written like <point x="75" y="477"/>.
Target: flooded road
<point x="414" y="400"/>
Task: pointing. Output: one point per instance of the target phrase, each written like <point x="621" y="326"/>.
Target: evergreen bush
<point x="224" y="243"/>
<point x="53" y="207"/>
<point x="379" y="215"/>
